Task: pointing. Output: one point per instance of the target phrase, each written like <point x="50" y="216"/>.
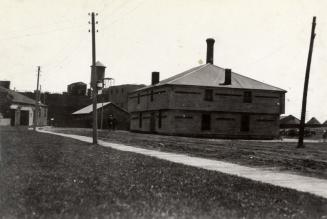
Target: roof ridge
<point x="189" y="73"/>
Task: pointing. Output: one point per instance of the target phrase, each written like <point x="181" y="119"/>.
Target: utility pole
<point x="94" y="83"/>
<point x="306" y="83"/>
<point x="36" y="111"/>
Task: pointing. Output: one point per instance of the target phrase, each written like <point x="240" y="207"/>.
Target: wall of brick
<point x="179" y="122"/>
<point x="227" y="100"/>
<point x="160" y="99"/>
<point x="184" y="105"/>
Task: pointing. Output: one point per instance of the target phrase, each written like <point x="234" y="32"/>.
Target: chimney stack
<point x="228" y="76"/>
<point x="210" y="44"/>
<point x="5" y="84"/>
<point x="155" y="78"/>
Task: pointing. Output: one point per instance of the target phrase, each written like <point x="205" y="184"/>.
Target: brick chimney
<point x="228" y="76"/>
<point x="5" y="84"/>
<point x="155" y="78"/>
<point x="210" y="44"/>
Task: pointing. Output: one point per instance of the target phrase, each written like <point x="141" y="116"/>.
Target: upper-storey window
<point x="208" y="95"/>
<point x="138" y="98"/>
<point x="247" y="97"/>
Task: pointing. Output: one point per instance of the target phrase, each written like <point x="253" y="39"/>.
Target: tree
<point x="5" y="102"/>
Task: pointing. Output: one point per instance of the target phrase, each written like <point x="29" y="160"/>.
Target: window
<point x="138" y="98"/>
<point x="117" y="91"/>
<point x="247" y="97"/>
<point x="159" y="119"/>
<point x="122" y="90"/>
<point x="140" y="120"/>
<point x="245" y="123"/>
<point x="206" y="122"/>
<point x="208" y="95"/>
<point x="151" y="95"/>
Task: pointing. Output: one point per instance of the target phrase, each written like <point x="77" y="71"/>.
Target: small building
<point x="21" y="109"/>
<point x="118" y="94"/>
<point x="77" y="89"/>
<point x="289" y="121"/>
<point x="113" y="116"/>
<point x="313" y="122"/>
<point x="61" y="106"/>
<point x="208" y="101"/>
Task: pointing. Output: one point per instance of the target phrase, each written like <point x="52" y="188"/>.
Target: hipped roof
<point x="214" y="76"/>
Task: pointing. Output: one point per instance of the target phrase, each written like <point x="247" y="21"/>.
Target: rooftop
<point x="214" y="76"/>
<point x="19" y="98"/>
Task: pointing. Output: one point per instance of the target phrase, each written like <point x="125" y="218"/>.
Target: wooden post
<point x="94" y="84"/>
<point x="306" y="83"/>
<point x="36" y="109"/>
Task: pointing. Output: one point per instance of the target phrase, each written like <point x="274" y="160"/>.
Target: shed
<point x="313" y="122"/>
<point x="108" y="111"/>
<point x="21" y="109"/>
<point x="289" y="121"/>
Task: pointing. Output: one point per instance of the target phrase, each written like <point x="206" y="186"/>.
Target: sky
<point x="264" y="40"/>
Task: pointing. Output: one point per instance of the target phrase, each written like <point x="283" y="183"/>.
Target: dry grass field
<point x="47" y="176"/>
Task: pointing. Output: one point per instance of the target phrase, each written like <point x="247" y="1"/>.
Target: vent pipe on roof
<point x="210" y="44"/>
<point x="228" y="76"/>
<point x="155" y="78"/>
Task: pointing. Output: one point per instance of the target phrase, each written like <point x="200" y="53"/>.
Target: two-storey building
<point x="207" y="101"/>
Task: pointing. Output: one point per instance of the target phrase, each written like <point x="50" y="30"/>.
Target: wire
<point x="44" y="32"/>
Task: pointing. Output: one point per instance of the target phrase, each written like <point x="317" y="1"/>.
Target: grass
<point x="47" y="176"/>
<point x="282" y="156"/>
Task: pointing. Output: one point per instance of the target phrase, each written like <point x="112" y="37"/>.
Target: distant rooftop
<point x="19" y="98"/>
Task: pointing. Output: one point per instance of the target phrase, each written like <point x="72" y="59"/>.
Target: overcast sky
<point x="265" y="40"/>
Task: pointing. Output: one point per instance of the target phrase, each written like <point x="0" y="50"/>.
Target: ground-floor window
<point x="159" y="119"/>
<point x="206" y="122"/>
<point x="245" y="123"/>
<point x="140" y="120"/>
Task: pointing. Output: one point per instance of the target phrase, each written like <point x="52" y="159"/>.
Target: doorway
<point x="24" y="117"/>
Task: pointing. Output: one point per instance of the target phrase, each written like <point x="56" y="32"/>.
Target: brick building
<point x="61" y="106"/>
<point x="77" y="89"/>
<point x="118" y="94"/>
<point x="208" y="101"/>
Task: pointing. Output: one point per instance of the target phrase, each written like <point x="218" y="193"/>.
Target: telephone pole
<point x="94" y="83"/>
<point x="36" y="111"/>
<point x="306" y="83"/>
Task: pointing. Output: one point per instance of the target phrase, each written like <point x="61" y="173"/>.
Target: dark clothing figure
<point x="112" y="123"/>
<point x="324" y="136"/>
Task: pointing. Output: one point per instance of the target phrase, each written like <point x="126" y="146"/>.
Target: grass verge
<point x="47" y="176"/>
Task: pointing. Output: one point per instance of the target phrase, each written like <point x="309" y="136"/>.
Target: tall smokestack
<point x="210" y="43"/>
<point x="155" y="78"/>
